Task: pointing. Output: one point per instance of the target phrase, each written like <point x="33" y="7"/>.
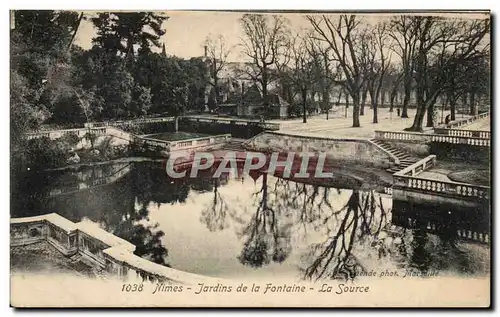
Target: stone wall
<point x="343" y="151"/>
<point x="461" y="152"/>
<point x="414" y="148"/>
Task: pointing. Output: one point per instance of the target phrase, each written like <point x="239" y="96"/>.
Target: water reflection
<point x="249" y="224"/>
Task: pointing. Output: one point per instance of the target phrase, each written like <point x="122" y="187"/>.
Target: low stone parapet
<point x="97" y="248"/>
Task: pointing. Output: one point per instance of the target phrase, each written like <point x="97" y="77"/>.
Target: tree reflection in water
<point x="289" y="204"/>
<point x="214" y="215"/>
<point x="349" y="228"/>
<point x="267" y="235"/>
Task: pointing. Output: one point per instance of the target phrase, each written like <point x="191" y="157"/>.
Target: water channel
<point x="254" y="225"/>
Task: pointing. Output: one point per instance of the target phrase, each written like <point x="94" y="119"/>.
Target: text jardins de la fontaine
<point x="271" y="288"/>
<point x="265" y="288"/>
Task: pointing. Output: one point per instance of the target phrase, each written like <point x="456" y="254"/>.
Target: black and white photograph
<point x="250" y="158"/>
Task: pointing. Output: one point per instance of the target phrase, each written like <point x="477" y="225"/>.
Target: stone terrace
<point x="338" y="126"/>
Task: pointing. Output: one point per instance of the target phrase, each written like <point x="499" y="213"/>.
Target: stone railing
<point x="461" y="140"/>
<point x="162" y="144"/>
<point x="442" y="187"/>
<point x="97" y="248"/>
<point x="56" y="134"/>
<point x="427" y="138"/>
<point x="403" y="136"/>
<point x="463" y="133"/>
<point x="418" y="167"/>
<point x="265" y="125"/>
<point x="407" y="178"/>
<point x="129" y="122"/>
<point x="466" y="121"/>
<point x="198" y="142"/>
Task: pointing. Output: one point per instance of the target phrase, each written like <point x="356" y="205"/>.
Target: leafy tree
<point x="120" y="31"/>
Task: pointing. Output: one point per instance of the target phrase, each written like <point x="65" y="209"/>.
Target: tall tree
<point x="120" y="31"/>
<point x="266" y="38"/>
<point x="443" y="45"/>
<point x="301" y="69"/>
<point x="403" y="29"/>
<point x="325" y="73"/>
<point x="344" y="36"/>
<point x="217" y="52"/>
<point x="377" y="63"/>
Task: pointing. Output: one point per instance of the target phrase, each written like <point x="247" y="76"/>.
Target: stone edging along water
<point x="264" y="142"/>
<point x="97" y="248"/>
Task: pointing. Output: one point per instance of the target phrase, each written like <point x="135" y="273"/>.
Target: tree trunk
<point x="382" y="98"/>
<point x="304" y="105"/>
<point x="430" y="116"/>
<point x="326" y="102"/>
<point x="355" y="111"/>
<point x="393" y="97"/>
<point x="419" y="115"/>
<point x="418" y="121"/>
<point x="373" y="104"/>
<point x="363" y="102"/>
<point x="453" y="103"/>
<point x="406" y="100"/>
<point x="473" y="107"/>
<point x="80" y="18"/>
<point x="264" y="90"/>
<point x="216" y="92"/>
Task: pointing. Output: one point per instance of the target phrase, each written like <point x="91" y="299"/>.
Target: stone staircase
<point x="75" y="258"/>
<point x="405" y="159"/>
<point x="234" y="145"/>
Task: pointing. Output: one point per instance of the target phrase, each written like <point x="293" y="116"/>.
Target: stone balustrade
<point x="56" y="134"/>
<point x="264" y="125"/>
<point x="442" y="187"/>
<point x="407" y="178"/>
<point x="199" y="142"/>
<point x="463" y="133"/>
<point x="118" y="133"/>
<point x="97" y="248"/>
<point x="461" y="140"/>
<point x="466" y="121"/>
<point x="418" y="167"/>
<point x="403" y="136"/>
<point x="129" y="122"/>
<point x="427" y="138"/>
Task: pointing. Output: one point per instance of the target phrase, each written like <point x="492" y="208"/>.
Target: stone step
<point x="392" y="171"/>
<point x="407" y="161"/>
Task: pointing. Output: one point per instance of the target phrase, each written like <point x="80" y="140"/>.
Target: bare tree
<point x="404" y="31"/>
<point x="266" y="38"/>
<point x="325" y="73"/>
<point x="443" y="45"/>
<point x="377" y="63"/>
<point x="393" y="79"/>
<point x="344" y="37"/>
<point x="217" y="52"/>
<point x="300" y="69"/>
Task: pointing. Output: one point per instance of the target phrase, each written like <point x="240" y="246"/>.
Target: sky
<point x="186" y="31"/>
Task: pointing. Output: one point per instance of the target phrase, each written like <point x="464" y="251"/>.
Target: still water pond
<point x="252" y="226"/>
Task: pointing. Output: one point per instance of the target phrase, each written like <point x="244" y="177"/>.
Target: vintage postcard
<point x="250" y="159"/>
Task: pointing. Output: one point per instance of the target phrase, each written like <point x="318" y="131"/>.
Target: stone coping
<point x="120" y="250"/>
<point x="104" y="236"/>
